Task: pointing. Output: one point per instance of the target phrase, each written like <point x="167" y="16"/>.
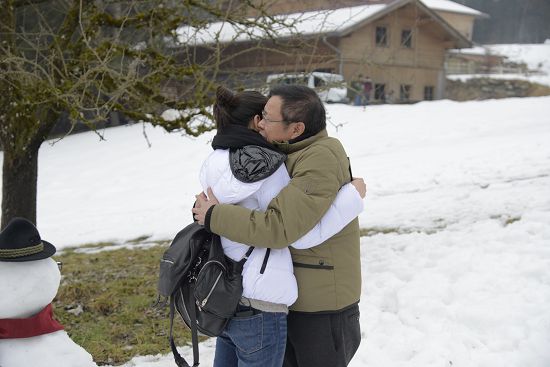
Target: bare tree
<point x="87" y="59"/>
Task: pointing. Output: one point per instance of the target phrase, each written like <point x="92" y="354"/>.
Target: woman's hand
<point x="202" y="205"/>
<point x="360" y="186"/>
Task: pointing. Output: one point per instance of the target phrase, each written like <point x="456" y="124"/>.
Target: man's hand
<point x="202" y="205"/>
<point x="360" y="185"/>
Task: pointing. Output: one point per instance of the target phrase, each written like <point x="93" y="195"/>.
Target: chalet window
<point x="404" y="92"/>
<point x="380" y="92"/>
<point x="381" y="36"/>
<point x="406" y="38"/>
<point x="428" y="93"/>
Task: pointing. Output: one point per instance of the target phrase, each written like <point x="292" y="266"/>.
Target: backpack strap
<point x="246" y="256"/>
<point x="266" y="257"/>
<point x="194" y="332"/>
<point x="180" y="361"/>
<point x="350" y="173"/>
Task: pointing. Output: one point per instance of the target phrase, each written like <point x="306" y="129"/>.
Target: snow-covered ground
<point x="535" y="56"/>
<point x="456" y="271"/>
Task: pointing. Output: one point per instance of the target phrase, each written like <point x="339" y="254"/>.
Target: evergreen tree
<point x="511" y="21"/>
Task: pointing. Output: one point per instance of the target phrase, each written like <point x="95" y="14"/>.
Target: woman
<point x="246" y="170"/>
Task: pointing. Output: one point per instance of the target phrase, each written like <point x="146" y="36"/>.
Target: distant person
<point x="357" y="90"/>
<point x="390" y="97"/>
<point x="367" y="89"/>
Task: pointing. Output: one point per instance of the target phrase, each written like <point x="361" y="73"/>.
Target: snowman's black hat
<point x="20" y="241"/>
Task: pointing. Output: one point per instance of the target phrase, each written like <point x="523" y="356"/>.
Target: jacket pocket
<point x="311" y="262"/>
<point x="315" y="276"/>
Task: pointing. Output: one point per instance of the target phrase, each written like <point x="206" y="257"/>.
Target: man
<point x="323" y="324"/>
<point x="357" y="90"/>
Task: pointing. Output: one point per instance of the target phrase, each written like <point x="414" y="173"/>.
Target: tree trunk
<point x="19" y="185"/>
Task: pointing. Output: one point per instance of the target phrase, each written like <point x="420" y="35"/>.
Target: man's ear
<point x="296" y="129"/>
<point x="254" y="123"/>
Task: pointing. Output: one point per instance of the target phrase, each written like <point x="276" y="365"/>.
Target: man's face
<point x="271" y="126"/>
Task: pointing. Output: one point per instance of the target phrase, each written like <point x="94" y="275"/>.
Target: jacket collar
<point x="288" y="147"/>
<point x="236" y="136"/>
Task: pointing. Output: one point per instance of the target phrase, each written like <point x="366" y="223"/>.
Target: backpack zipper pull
<point x="211" y="289"/>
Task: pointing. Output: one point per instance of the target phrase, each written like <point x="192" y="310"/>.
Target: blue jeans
<point x="361" y="100"/>
<point x="252" y="341"/>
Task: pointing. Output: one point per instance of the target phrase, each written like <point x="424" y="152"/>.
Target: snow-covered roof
<point x="308" y="23"/>
<point x="337" y="20"/>
<point x="451" y="6"/>
<point x="477" y="50"/>
<point x="305" y="23"/>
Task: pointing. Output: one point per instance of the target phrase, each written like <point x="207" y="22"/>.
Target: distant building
<point x="459" y="16"/>
<point x="401" y="45"/>
<point x="481" y="60"/>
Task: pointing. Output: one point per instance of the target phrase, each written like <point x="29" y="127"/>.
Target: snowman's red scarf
<point x="41" y="323"/>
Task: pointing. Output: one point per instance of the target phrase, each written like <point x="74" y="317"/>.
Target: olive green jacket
<point x="328" y="275"/>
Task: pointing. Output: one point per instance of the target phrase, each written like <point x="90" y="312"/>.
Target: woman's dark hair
<point x="237" y="108"/>
<point x="301" y="103"/>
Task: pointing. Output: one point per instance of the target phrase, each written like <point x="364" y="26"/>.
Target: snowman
<point x="29" y="280"/>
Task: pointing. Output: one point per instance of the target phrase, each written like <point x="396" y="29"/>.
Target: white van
<point x="331" y="88"/>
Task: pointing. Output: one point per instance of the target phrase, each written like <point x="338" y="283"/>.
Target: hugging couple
<point x="277" y="181"/>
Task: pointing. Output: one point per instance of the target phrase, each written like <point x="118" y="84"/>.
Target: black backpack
<point x="202" y="284"/>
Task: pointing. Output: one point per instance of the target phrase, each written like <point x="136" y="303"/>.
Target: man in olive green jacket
<point x="323" y="324"/>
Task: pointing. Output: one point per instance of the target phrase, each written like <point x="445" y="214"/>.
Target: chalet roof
<point x="335" y="22"/>
<point x="452" y="7"/>
<point x="477" y="50"/>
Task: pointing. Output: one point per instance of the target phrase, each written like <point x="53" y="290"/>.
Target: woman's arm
<point x="346" y="207"/>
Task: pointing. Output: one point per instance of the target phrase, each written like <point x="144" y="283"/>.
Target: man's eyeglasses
<point x="264" y="116"/>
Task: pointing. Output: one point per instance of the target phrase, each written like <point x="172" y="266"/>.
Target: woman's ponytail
<point x="226" y="101"/>
<point x="237" y="108"/>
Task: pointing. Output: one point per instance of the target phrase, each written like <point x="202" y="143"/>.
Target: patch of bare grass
<point x="105" y="300"/>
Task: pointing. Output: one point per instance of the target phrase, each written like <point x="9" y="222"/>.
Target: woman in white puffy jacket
<point x="246" y="170"/>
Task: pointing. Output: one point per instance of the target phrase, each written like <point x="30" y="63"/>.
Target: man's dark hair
<point x="301" y="103"/>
